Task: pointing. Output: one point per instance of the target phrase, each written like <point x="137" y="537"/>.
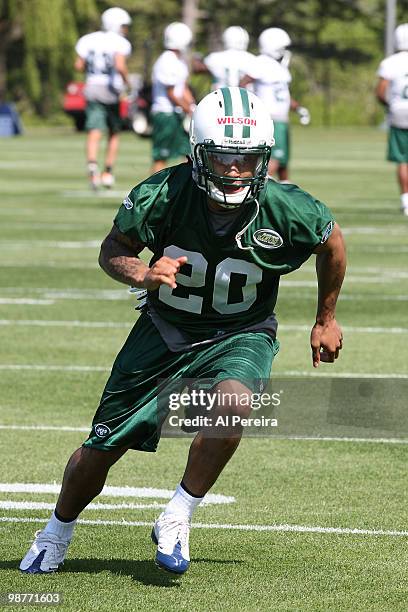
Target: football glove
<point x="304" y="115"/>
<point x="141" y="296"/>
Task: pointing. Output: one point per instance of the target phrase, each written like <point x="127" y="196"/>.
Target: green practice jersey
<point x="222" y="288"/>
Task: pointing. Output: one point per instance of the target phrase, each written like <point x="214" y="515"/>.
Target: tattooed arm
<point x="326" y="338"/>
<point x="119" y="259"/>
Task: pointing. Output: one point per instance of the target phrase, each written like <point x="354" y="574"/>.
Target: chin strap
<point x="286" y="57"/>
<point x="239" y="235"/>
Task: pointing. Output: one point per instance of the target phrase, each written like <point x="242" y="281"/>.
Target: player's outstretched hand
<point x="304" y="115"/>
<point x="163" y="272"/>
<point x="326" y="341"/>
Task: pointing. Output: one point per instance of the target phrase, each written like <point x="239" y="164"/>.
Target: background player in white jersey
<point x="271" y="78"/>
<point x="102" y="56"/>
<point x="220" y="236"/>
<point x="172" y="99"/>
<point x="392" y="91"/>
<point x="227" y="67"/>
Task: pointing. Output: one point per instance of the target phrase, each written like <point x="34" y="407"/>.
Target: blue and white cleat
<point x="171" y="533"/>
<point x="46" y="554"/>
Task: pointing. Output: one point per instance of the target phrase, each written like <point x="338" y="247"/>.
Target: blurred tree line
<point x="337" y="46"/>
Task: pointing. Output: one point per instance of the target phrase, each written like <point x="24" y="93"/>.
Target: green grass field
<point x="315" y="525"/>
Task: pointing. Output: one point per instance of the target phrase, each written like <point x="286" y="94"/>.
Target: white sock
<point x="93" y="168"/>
<point x="182" y="503"/>
<point x="404" y="200"/>
<point x="59" y="528"/>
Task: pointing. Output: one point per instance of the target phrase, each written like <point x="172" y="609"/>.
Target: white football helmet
<point x="114" y="18"/>
<point x="231" y="127"/>
<point x="236" y="38"/>
<point x="401" y="37"/>
<point x="273" y="42"/>
<point x="177" y="36"/>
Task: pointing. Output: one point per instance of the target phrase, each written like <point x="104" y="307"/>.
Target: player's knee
<point x="95" y="458"/>
<point x="235" y="405"/>
<point x="234" y="399"/>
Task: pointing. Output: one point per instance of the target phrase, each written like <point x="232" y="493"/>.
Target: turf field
<point x="302" y="523"/>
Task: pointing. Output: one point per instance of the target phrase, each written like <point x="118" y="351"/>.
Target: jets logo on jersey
<point x="268" y="239"/>
<point x="102" y="430"/>
<point x="327" y="232"/>
<point x="127" y="203"/>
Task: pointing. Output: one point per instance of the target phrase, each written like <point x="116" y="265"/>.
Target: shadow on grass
<point x="144" y="571"/>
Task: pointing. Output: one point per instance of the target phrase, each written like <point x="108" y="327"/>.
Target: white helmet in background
<point x="231" y="126"/>
<point x="401" y="37"/>
<point x="114" y="18"/>
<point x="177" y="36"/>
<point x="273" y="42"/>
<point x="236" y="38"/>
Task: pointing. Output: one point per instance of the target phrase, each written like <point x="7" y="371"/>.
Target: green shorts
<point x="280" y="150"/>
<point x="398" y="145"/>
<point x="102" y="117"/>
<point x="170" y="140"/>
<point x="130" y="412"/>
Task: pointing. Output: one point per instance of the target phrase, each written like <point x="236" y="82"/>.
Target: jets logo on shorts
<point x="268" y="239"/>
<point x="127" y="203"/>
<point x="101" y="430"/>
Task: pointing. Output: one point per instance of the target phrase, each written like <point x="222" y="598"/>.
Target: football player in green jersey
<point x="221" y="236"/>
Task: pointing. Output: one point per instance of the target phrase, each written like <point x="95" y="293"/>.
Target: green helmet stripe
<point x="246" y="130"/>
<point x="226" y="94"/>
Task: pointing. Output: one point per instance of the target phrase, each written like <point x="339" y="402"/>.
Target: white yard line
<point x="24" y="164"/>
<point x="348" y="328"/>
<point x="231" y="527"/>
<point x="61" y="265"/>
<point x="68" y="294"/>
<point x="326" y="374"/>
<point x="354" y="271"/>
<point x="110" y="491"/>
<point x="51" y="323"/>
<point x="44" y="428"/>
<point x="283" y="373"/>
<point x="53" y="368"/>
<point x="360" y="280"/>
<point x="108" y="193"/>
<point x="338" y="439"/>
<point x="50" y="244"/>
<point x="56" y="226"/>
<point x="359" y="248"/>
<point x="87" y="295"/>
<point x="126" y="325"/>
<point x="26" y="301"/>
<point x="49" y="296"/>
<point x="354" y="297"/>
<point x="389" y="230"/>
<point x="275" y="437"/>
<point x="76" y="290"/>
<point x="28" y="505"/>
